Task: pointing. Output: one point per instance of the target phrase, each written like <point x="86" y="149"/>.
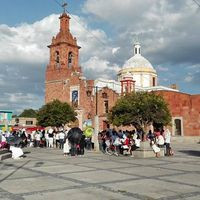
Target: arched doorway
<point x="178" y="126"/>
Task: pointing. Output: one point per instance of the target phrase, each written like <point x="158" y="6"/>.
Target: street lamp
<point x="96" y="117"/>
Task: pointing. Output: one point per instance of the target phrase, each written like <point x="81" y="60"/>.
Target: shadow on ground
<point x="27" y="152"/>
<point x="38" y="164"/>
<point x="191" y="152"/>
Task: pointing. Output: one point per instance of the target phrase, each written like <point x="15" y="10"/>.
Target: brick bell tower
<point x="64" y="79"/>
<point x="63" y="68"/>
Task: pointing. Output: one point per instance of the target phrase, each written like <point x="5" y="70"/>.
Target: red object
<point x="127" y="141"/>
<point x="28" y="129"/>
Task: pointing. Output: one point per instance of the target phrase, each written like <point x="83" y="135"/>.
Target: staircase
<point x="5" y="154"/>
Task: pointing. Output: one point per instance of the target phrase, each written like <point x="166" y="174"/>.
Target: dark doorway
<point x="178" y="128"/>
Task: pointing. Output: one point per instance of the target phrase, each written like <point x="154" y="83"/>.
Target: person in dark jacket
<point x="81" y="150"/>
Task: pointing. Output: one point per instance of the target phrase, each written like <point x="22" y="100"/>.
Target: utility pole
<point x="96" y="122"/>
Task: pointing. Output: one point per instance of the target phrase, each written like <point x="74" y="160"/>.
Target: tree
<point x="55" y="114"/>
<point x="140" y="109"/>
<point x="28" y="113"/>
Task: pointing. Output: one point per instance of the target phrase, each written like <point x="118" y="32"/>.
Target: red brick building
<point x="185" y="110"/>
<point x="65" y="81"/>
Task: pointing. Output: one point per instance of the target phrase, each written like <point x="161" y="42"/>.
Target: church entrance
<point x="178" y="126"/>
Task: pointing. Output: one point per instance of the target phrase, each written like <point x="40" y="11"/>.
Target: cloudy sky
<point x="168" y="30"/>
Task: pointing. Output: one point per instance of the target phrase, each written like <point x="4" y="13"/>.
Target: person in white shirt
<point x="16" y="152"/>
<point x="51" y="137"/>
<point x="57" y="138"/>
<point x="66" y="147"/>
<point x="136" y="145"/>
<point x="46" y="135"/>
<point x="38" y="138"/>
<point x="160" y="141"/>
<point x="155" y="148"/>
<point x="61" y="139"/>
<point x="167" y="136"/>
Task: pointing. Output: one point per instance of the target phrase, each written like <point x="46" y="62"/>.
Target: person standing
<point x="57" y="139"/>
<point x="167" y="136"/>
<point x="61" y="138"/>
<point x="66" y="147"/>
<point x="82" y="145"/>
<point x="38" y="138"/>
<point x="46" y="135"/>
<point x="50" y="138"/>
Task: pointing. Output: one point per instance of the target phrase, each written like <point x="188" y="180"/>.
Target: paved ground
<point x="46" y="174"/>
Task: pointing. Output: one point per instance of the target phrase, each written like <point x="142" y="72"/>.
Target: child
<point x="155" y="148"/>
<point x="66" y="147"/>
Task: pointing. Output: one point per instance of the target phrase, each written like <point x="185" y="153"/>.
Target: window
<point x="57" y="59"/>
<point x="104" y="95"/>
<point x="75" y="98"/>
<point x="135" y="50"/>
<point x="89" y="93"/>
<point x="70" y="59"/>
<point x="154" y="81"/>
<point x="29" y="122"/>
<point x="106" y="106"/>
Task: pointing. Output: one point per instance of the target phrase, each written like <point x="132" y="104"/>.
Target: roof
<point x="137" y="61"/>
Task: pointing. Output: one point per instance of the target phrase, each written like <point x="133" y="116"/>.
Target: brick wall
<point x="187" y="107"/>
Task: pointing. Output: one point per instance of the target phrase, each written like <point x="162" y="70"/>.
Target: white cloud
<point x="99" y="65"/>
<point x="24" y="48"/>
<point x="115" y="50"/>
<point x="168" y="30"/>
<point x="2" y="82"/>
<point x="188" y="79"/>
<point x="163" y="69"/>
<point x="20" y="101"/>
<point x="27" y="43"/>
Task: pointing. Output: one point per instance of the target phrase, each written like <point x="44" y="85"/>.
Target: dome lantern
<point x="137" y="49"/>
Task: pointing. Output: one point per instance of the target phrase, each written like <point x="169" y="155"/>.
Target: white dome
<point x="138" y="61"/>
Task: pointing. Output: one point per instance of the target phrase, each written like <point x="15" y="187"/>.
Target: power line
<point x="195" y="1"/>
<point x="98" y="39"/>
<point x="94" y="36"/>
<point x="58" y="3"/>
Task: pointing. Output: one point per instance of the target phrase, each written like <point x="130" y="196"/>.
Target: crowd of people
<point x="52" y="138"/>
<point x="110" y="141"/>
<point x="126" y="142"/>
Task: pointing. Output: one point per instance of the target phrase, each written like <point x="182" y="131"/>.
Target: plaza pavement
<point x="47" y="174"/>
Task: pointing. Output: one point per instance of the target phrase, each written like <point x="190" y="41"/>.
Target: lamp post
<point x="96" y="119"/>
<point x="96" y="122"/>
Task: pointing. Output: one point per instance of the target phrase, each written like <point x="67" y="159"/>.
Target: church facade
<point x="65" y="81"/>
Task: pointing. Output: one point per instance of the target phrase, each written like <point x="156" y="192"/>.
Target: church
<point x="92" y="99"/>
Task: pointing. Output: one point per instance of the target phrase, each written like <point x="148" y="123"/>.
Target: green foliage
<point x="140" y="109"/>
<point x="28" y="113"/>
<point x="55" y="114"/>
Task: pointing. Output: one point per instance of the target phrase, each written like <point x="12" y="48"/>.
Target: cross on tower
<point x="64" y="5"/>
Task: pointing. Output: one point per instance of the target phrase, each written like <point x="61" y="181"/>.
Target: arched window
<point x="106" y="106"/>
<point x="135" y="50"/>
<point x="70" y="59"/>
<point x="57" y="58"/>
